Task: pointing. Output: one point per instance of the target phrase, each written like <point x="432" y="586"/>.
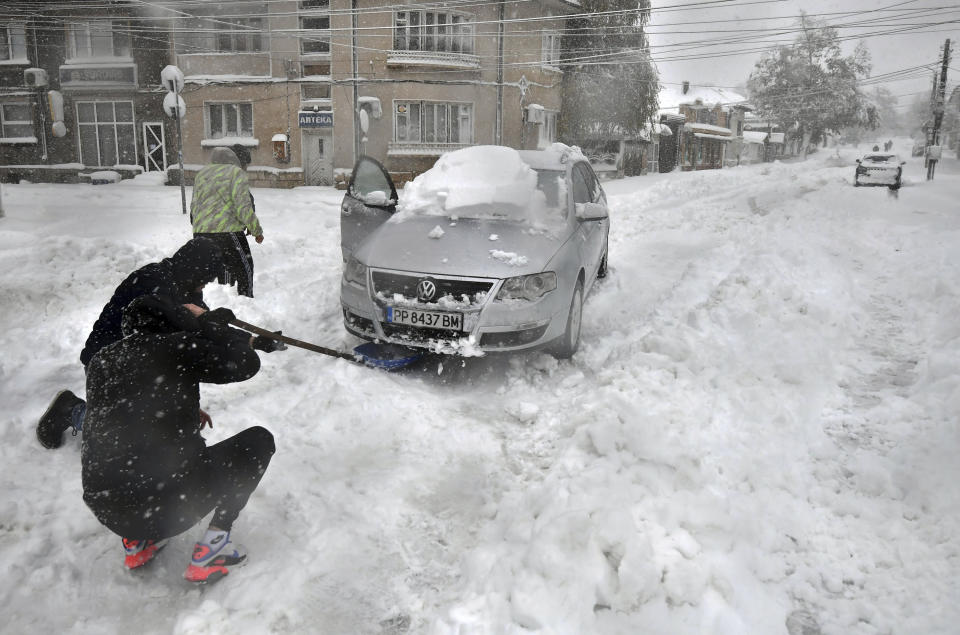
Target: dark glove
<point x="223" y="315"/>
<point x="267" y="344"/>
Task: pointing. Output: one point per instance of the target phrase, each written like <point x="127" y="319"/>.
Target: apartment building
<point x="281" y="78"/>
<point x="79" y="91"/>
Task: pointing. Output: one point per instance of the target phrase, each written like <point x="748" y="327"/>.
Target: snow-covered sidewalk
<point x="760" y="427"/>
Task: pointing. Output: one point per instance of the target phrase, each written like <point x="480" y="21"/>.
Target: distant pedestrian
<point x="147" y="473"/>
<point x="222" y="209"/>
<point x="180" y="278"/>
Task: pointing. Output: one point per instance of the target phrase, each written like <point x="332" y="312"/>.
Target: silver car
<point x="879" y="168"/>
<point x="488" y="278"/>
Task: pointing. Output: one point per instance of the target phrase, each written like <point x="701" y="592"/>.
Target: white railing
<point x="433" y="58"/>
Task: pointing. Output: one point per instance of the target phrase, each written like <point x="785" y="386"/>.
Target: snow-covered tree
<point x="610" y="85"/>
<point x="810" y="86"/>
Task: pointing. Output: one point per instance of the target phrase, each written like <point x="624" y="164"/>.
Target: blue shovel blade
<point x="388" y="356"/>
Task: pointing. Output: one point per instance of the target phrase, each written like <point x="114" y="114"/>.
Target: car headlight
<point x="355" y="272"/>
<point x="529" y="287"/>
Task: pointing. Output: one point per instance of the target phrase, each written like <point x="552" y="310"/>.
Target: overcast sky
<point x="686" y="37"/>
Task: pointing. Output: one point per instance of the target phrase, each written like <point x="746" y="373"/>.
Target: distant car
<point x="918" y="149"/>
<point x="491" y="249"/>
<point x="879" y="168"/>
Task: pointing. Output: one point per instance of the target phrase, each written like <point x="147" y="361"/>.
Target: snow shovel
<point x="386" y="356"/>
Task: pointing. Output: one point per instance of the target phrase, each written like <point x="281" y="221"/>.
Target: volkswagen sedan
<point x="879" y="169"/>
<point x="492" y="249"/>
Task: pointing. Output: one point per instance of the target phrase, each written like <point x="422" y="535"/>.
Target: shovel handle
<point x="246" y="326"/>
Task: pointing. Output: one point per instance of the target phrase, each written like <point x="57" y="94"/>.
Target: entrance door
<point x="154" y="147"/>
<point x="317" y="150"/>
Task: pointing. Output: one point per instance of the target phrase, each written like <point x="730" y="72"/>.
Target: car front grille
<point x="390" y="283"/>
<point x="418" y="334"/>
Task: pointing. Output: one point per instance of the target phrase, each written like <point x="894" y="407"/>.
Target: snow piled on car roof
<point x="480" y="182"/>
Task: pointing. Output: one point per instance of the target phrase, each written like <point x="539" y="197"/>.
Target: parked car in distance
<point x="879" y="168"/>
<point x="492" y="249"/>
<point x="918" y="148"/>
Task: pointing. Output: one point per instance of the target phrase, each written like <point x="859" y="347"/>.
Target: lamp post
<point x="171" y="78"/>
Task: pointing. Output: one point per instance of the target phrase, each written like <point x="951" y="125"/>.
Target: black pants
<point x="223" y="480"/>
<point x="237" y="260"/>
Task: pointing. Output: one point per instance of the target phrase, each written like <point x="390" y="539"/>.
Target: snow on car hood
<point x="464" y="247"/>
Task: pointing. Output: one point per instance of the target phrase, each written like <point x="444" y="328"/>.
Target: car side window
<point x="581" y="191"/>
<point x="371" y="185"/>
<point x="592" y="184"/>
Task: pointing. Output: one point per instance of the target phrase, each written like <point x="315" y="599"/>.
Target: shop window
<point x="433" y="122"/>
<point x="106" y="133"/>
<point x="229" y="120"/>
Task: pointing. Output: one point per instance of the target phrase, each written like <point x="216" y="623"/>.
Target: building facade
<point x="281" y="78"/>
<point x="79" y="92"/>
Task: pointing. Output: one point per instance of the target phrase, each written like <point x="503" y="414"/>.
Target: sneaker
<point x="56" y="419"/>
<point x="140" y="552"/>
<point x="211" y="559"/>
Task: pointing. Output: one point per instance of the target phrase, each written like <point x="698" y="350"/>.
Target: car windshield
<point x="879" y="158"/>
<point x="486" y="182"/>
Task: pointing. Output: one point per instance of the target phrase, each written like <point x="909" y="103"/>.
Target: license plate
<point x="428" y="319"/>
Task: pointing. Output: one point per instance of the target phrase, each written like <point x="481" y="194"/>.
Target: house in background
<point x="766" y="134"/>
<point x="79" y="92"/>
<point x="708" y="126"/>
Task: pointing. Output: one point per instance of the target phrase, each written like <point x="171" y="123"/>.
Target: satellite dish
<point x="364" y="121"/>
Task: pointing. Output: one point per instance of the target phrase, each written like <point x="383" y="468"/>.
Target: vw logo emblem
<point x="426" y="290"/>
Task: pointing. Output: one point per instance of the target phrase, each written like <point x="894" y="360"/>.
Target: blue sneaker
<point x="212" y="557"/>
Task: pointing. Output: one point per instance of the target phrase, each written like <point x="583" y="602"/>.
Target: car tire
<point x="602" y="271"/>
<point x="569" y="342"/>
<point x="856" y="182"/>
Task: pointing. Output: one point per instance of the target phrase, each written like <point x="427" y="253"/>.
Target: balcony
<point x="433" y="59"/>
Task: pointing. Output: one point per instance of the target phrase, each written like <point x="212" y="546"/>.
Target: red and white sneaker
<point x="211" y="559"/>
<point x="140" y="552"/>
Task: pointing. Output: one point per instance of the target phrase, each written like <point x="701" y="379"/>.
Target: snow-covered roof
<point x="776" y="137"/>
<point x="672" y="97"/>
<point x="751" y="136"/>
<point x="707" y="128"/>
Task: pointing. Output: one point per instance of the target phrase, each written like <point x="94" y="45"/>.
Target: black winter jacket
<point x="142" y="426"/>
<point x="177" y="278"/>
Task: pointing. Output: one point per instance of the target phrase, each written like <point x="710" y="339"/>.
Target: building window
<point x="314" y="34"/>
<point x="432" y="31"/>
<point x="240" y="35"/>
<point x="16" y="120"/>
<point x="314" y="4"/>
<point x="314" y="91"/>
<point x="13" y="42"/>
<point x="548" y="129"/>
<point x="229" y="120"/>
<point x="433" y="122"/>
<point x="551" y="50"/>
<point x="97" y="39"/>
<point x="106" y="133"/>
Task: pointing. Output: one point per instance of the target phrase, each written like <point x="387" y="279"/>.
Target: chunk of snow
<point x="436" y="232"/>
<point x="508" y="257"/>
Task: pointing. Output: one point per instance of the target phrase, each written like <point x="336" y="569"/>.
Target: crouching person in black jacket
<point x="147" y="473"/>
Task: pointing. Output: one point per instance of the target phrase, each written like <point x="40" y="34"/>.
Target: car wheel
<point x="570" y="341"/>
<point x="856" y="182"/>
<point x="602" y="271"/>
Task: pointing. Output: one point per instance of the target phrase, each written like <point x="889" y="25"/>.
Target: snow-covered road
<point x="760" y="427"/>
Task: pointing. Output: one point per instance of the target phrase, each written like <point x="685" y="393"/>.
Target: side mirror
<point x="591" y="211"/>
<point x="858" y="160"/>
<point x="903" y="163"/>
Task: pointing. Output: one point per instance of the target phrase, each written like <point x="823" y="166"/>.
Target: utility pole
<point x="356" y="73"/>
<point x="499" y="127"/>
<point x="938" y="108"/>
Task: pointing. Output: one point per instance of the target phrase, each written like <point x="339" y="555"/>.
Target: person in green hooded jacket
<point x="222" y="210"/>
